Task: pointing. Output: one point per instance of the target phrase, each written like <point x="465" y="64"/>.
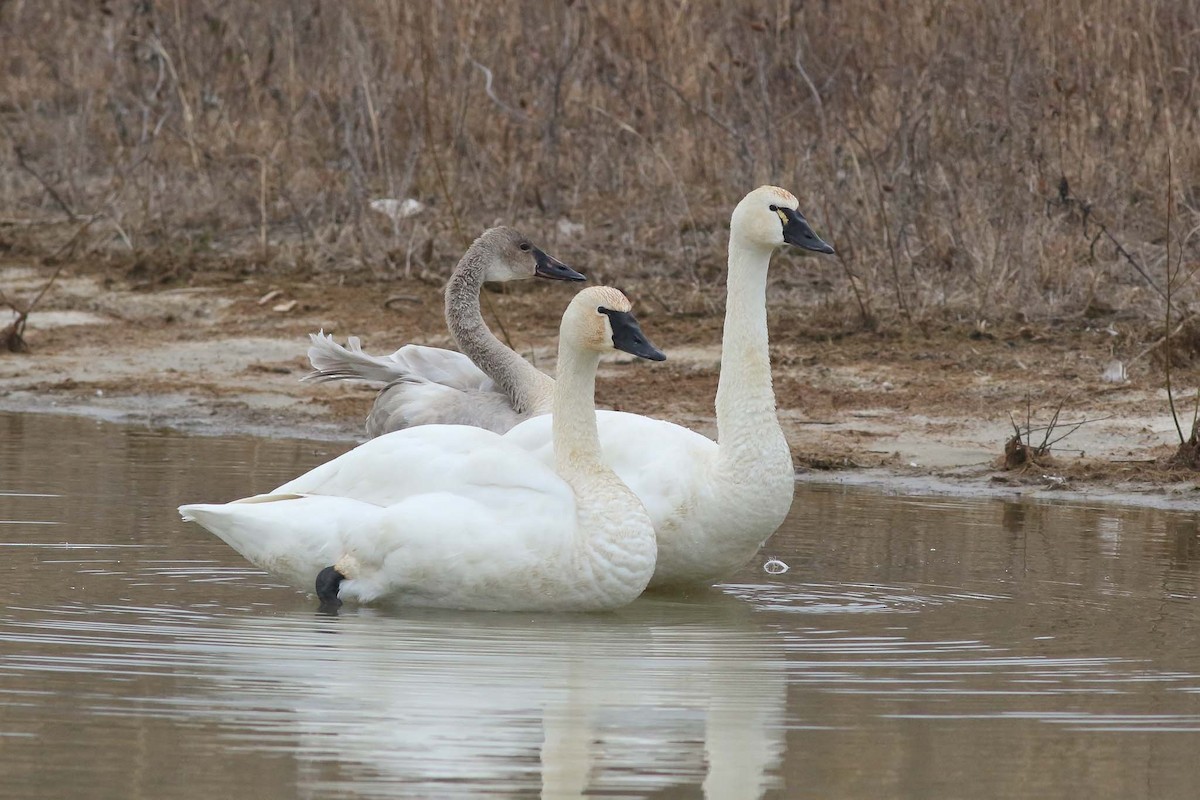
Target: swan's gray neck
<point x="746" y="421"/>
<point x="519" y="379"/>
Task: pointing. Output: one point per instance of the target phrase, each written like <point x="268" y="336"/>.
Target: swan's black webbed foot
<point x="328" y="582"/>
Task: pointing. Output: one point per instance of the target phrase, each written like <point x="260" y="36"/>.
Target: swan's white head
<point x="599" y="320"/>
<point x="511" y="256"/>
<point x="770" y="217"/>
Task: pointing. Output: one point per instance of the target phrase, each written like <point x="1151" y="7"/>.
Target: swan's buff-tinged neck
<point x="527" y="387"/>
<point x="576" y="438"/>
<point x="617" y="541"/>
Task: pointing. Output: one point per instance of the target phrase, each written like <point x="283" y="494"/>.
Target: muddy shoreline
<point x="916" y="414"/>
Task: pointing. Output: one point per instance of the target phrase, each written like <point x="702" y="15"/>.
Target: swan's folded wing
<point x="665" y="464"/>
<point x="408" y="404"/>
<point x="446" y="367"/>
<point x="435" y="548"/>
<point x="412" y="362"/>
<point x="332" y="362"/>
<point x="465" y="550"/>
<point x="440" y="511"/>
<point x="470" y="462"/>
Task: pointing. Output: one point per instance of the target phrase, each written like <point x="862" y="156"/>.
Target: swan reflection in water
<point x="663" y="693"/>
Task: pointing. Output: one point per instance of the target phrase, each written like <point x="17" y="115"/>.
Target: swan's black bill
<point x="797" y="231"/>
<point x="329" y="580"/>
<point x="628" y="336"/>
<point x="550" y="267"/>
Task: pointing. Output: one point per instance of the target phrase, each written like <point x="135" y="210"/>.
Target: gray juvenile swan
<point x="487" y="385"/>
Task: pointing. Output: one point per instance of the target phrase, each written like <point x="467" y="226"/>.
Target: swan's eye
<point x="602" y="310"/>
<point x="525" y="246"/>
<point x="774" y="208"/>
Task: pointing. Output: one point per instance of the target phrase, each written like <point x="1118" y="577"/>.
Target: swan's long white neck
<point x="747" y="427"/>
<point x="616" y="546"/>
<point x="519" y="379"/>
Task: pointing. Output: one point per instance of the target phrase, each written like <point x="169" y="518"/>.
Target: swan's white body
<point x="459" y="517"/>
<point x="713" y="505"/>
<point x="490" y="387"/>
<point x="710" y="514"/>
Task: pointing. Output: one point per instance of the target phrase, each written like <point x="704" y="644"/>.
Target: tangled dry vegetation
<point x="976" y="161"/>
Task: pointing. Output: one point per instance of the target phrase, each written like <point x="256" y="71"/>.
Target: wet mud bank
<point x="910" y="414"/>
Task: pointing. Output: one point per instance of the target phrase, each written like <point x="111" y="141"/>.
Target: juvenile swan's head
<point x="598" y="319"/>
<point x="510" y="256"/>
<point x="770" y="217"/>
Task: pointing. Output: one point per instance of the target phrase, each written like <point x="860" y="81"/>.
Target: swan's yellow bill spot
<point x="782" y="216"/>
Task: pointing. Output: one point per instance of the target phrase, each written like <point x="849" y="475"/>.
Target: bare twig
<point x="401" y="298"/>
<point x="1158" y="343"/>
<point x="1167" y="315"/>
<point x="1019" y="450"/>
<point x="887" y="226"/>
<point x="1074" y="427"/>
<point x="441" y="176"/>
<point x="1016" y="427"/>
<point x="50" y="190"/>
<point x="189" y="119"/>
<point x="1050" y="428"/>
<point x="429" y="137"/>
<point x="490" y="92"/>
<point x="1066" y="198"/>
<point x="682" y="194"/>
<point x="739" y="139"/>
<point x="12" y="336"/>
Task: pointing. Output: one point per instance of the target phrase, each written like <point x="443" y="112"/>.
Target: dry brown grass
<point x="958" y="155"/>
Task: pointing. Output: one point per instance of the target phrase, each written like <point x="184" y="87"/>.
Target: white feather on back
<point x="430" y="458"/>
<point x="666" y="465"/>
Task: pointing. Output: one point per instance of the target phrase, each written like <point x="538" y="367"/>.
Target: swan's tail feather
<point x="332" y="362"/>
<point x="292" y="536"/>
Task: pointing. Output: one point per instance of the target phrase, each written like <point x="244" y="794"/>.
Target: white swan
<point x="457" y="517"/>
<point x="714" y="505"/>
<point x="486" y="385"/>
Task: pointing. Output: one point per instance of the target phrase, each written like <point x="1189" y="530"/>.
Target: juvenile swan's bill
<point x="714" y="506"/>
<point x="459" y="517"/>
<point x="486" y="385"/>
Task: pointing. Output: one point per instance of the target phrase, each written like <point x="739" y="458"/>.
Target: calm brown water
<point x="917" y="648"/>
